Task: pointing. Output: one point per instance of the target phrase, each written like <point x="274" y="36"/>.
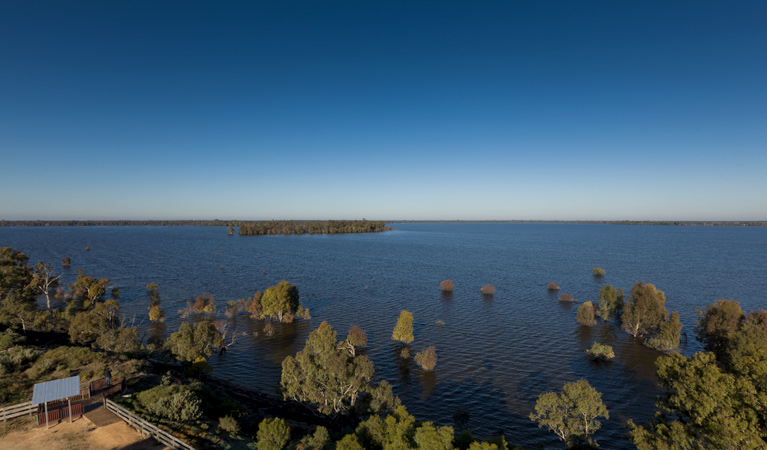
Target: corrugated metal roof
<point x="56" y="390"/>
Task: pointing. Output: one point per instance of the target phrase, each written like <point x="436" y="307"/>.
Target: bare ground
<point x="21" y="434"/>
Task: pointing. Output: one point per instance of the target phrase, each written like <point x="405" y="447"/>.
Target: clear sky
<point x="383" y="109"/>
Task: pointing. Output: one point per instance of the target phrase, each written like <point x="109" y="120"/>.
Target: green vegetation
<point x="645" y="310"/>
<point x="572" y="415"/>
<point x="668" y="335"/>
<point x="598" y="272"/>
<point x="273" y="434"/>
<point x="585" y="315"/>
<point x="293" y="227"/>
<point x="600" y="352"/>
<point x="152" y="286"/>
<point x="610" y="302"/>
<point x="403" y="331"/>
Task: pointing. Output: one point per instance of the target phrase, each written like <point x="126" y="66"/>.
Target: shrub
<point x="179" y="403"/>
<point x="151" y="286"/>
<point x="8" y="339"/>
<point x="66" y="262"/>
<point x="229" y="424"/>
<point x="585" y="314"/>
<point x="427" y="358"/>
<point x="600" y="352"/>
<point x="404" y="353"/>
<point x="87" y="248"/>
<point x="403" y="331"/>
<point x="156" y="313"/>
<point x="552" y="286"/>
<point x="317" y="441"/>
<point x="115" y="293"/>
<point x="488" y="289"/>
<point x="446" y="286"/>
<point x="65" y="359"/>
<point x="273" y="434"/>
<point x="598" y="272"/>
<point x="566" y="298"/>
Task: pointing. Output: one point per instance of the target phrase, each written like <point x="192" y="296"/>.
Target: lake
<point x="495" y="355"/>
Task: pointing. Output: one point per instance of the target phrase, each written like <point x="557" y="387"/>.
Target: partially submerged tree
<point x="446" y="286"/>
<point x="645" y="311"/>
<point x="610" y="302"/>
<point x="427" y="358"/>
<point x="598" y="272"/>
<point x="600" y="352"/>
<point x="280" y="302"/>
<point x="355" y="338"/>
<point x="717" y="325"/>
<point x="324" y="375"/>
<point x="195" y="343"/>
<point x="403" y="331"/>
<point x="585" y="315"/>
<point x="87" y="290"/>
<point x="488" y="289"/>
<point x="552" y="286"/>
<point x="572" y="415"/>
<point x="668" y="335"/>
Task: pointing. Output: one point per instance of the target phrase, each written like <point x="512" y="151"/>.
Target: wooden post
<point x="46" y="415"/>
<point x="70" y="410"/>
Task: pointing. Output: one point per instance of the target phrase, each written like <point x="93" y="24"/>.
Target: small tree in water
<point x="572" y="415"/>
<point x="668" y="335"/>
<point x="585" y="314"/>
<point x="645" y="311"/>
<point x="403" y="331"/>
<point x="610" y="302"/>
<point x="427" y="358"/>
<point x="446" y="286"/>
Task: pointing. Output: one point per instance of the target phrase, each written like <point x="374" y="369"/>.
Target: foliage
<point x="66" y="359"/>
<point x="403" y="331"/>
<point x="645" y="311"/>
<point x="120" y="340"/>
<point x="488" y="289"/>
<point x="280" y="302"/>
<point x="324" y="375"/>
<point x="45" y="282"/>
<point x="668" y="335"/>
<point x="319" y="440"/>
<point x="572" y="415"/>
<point x="610" y="302"/>
<point x="17" y="358"/>
<point x="229" y="424"/>
<point x="87" y="326"/>
<point x="349" y="442"/>
<point x="552" y="286"/>
<point x="156" y="313"/>
<point x="66" y="261"/>
<point x="9" y="338"/>
<point x="152" y="286"/>
<point x="204" y="303"/>
<point x="355" y="338"/>
<point x="427" y="358"/>
<point x="175" y="402"/>
<point x="446" y="285"/>
<point x="293" y="227"/>
<point x="717" y="324"/>
<point x="585" y="314"/>
<point x="87" y="290"/>
<point x="253" y="305"/>
<point x="704" y="407"/>
<point x="15" y="275"/>
<point x="191" y="343"/>
<point x="273" y="434"/>
<point x="600" y="352"/>
<point x="598" y="272"/>
<point x="399" y="430"/>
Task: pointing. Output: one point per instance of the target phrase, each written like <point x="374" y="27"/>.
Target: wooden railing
<point x="146" y="428"/>
<point x="10" y="412"/>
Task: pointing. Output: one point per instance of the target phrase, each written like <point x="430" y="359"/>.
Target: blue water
<point x="495" y="355"/>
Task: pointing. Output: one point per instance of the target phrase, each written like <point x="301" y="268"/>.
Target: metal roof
<point x="56" y="390"/>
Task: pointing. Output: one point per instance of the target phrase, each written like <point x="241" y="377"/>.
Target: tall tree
<point x="44" y="282"/>
<point x="610" y="302"/>
<point x="87" y="290"/>
<point x="585" y="314"/>
<point x="668" y="335"/>
<point x="280" y="301"/>
<point x="194" y="343"/>
<point x="403" y="331"/>
<point x="717" y="325"/>
<point x="645" y="311"/>
<point x="15" y="275"/>
<point x="324" y="375"/>
<point x="572" y="415"/>
<point x="704" y="408"/>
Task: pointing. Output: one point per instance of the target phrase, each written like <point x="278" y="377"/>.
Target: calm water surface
<point x="495" y="355"/>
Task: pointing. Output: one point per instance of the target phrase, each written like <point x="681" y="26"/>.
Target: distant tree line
<point x="294" y="227"/>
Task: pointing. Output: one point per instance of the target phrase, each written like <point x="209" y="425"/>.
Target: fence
<point x="21" y="409"/>
<point x="147" y="428"/>
<point x="58" y="413"/>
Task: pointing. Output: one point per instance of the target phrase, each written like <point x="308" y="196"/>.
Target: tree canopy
<point x="645" y="310"/>
<point x="403" y="331"/>
<point x="572" y="415"/>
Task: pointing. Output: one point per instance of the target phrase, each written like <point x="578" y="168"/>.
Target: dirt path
<point x="80" y="434"/>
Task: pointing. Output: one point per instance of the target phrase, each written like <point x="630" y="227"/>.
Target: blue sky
<point x="392" y="110"/>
